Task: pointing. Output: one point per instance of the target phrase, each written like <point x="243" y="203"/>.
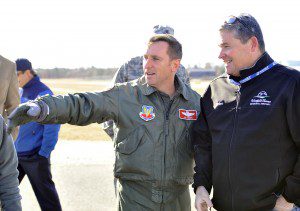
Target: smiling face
<point x="235" y="54"/>
<point x="159" y="69"/>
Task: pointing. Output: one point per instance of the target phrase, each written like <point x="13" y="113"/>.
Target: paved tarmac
<point x="83" y="174"/>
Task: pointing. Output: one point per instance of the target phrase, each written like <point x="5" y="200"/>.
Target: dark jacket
<point x="34" y="137"/>
<point x="247" y="139"/>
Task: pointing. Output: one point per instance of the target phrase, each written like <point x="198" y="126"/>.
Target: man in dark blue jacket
<point x="247" y="139"/>
<point x="36" y="141"/>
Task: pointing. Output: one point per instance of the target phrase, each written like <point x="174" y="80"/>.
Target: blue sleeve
<point x="45" y="92"/>
<point x="50" y="137"/>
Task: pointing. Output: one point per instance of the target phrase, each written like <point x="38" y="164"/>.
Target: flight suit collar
<point x="181" y="88"/>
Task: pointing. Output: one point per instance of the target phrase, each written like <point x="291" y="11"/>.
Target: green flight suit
<point x="154" y="160"/>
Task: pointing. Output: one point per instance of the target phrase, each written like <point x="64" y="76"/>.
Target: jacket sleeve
<point x="9" y="190"/>
<point x="13" y="98"/>
<point x="201" y="140"/>
<point x="292" y="188"/>
<point x="50" y="137"/>
<point x="82" y="108"/>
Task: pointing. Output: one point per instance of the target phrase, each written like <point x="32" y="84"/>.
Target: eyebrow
<point x="223" y="44"/>
<point x="153" y="56"/>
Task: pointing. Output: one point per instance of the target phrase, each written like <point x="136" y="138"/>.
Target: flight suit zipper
<point x="167" y="116"/>
<point x="167" y="110"/>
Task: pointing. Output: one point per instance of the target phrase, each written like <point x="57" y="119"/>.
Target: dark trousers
<point x="37" y="168"/>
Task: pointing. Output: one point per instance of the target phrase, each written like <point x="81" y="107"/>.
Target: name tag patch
<point x="187" y="114"/>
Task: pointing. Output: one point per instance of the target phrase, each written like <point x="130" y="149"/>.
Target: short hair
<point x="175" y="48"/>
<point x="244" y="27"/>
<point x="23" y="65"/>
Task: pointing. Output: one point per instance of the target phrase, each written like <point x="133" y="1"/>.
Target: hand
<point x="283" y="205"/>
<point x="23" y="114"/>
<point x="202" y="200"/>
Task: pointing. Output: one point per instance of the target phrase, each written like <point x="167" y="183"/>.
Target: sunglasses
<point x="232" y="19"/>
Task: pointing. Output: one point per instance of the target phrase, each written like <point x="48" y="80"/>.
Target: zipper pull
<point x="167" y="128"/>
<point x="238" y="97"/>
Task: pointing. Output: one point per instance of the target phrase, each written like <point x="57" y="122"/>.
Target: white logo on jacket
<point x="220" y="103"/>
<point x="261" y="99"/>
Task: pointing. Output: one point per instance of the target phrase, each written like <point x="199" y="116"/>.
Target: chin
<point x="149" y="82"/>
<point x="230" y="72"/>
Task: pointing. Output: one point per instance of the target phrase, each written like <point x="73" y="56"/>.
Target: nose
<point x="221" y="54"/>
<point x="147" y="63"/>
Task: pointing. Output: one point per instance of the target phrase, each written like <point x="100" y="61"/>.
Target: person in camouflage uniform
<point x="133" y="69"/>
<point x="153" y="114"/>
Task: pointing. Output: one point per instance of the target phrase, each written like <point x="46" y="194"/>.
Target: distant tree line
<point x="207" y="71"/>
<point x="107" y="73"/>
<point x="90" y="72"/>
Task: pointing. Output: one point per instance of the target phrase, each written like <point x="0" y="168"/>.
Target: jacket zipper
<point x="238" y="97"/>
<point x="166" y="131"/>
<point x="166" y="135"/>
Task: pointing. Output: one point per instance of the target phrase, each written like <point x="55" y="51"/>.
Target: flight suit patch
<point x="187" y="114"/>
<point x="147" y="113"/>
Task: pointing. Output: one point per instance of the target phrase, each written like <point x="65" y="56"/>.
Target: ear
<point x="175" y="63"/>
<point x="254" y="44"/>
<point x="28" y="74"/>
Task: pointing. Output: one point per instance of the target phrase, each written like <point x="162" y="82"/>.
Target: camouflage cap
<point x="160" y="29"/>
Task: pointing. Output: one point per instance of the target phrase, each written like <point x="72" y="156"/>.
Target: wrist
<point x="200" y="189"/>
<point x="44" y="111"/>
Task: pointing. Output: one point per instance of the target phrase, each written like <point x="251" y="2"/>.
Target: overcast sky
<point x="106" y="33"/>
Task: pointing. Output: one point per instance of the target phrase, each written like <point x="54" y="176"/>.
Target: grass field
<point x="93" y="131"/>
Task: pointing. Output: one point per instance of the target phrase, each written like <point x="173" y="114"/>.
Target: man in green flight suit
<point x="153" y="114"/>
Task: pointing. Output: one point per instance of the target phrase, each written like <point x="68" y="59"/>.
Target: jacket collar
<point x="262" y="62"/>
<point x="180" y="87"/>
<point x="31" y="82"/>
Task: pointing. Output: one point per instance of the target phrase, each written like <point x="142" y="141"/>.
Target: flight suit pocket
<point x="184" y="160"/>
<point x="131" y="142"/>
<point x="134" y="155"/>
<point x="184" y="144"/>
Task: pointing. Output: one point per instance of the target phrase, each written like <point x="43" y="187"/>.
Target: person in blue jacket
<point x="35" y="141"/>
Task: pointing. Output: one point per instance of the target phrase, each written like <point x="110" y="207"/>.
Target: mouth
<point x="228" y="61"/>
<point x="149" y="74"/>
